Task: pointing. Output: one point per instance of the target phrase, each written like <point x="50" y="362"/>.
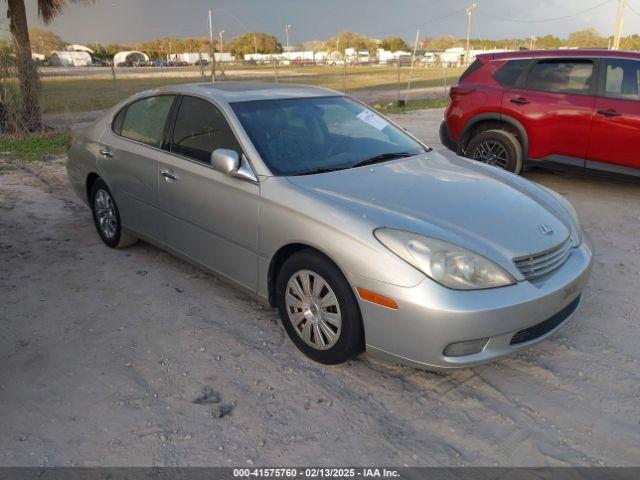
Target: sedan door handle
<point x="520" y="101"/>
<point x="168" y="175"/>
<point x="610" y="112"/>
<point x="105" y="152"/>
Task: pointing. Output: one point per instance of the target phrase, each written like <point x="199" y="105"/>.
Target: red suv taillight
<point x="460" y="91"/>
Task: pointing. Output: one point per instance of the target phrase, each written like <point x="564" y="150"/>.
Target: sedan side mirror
<point x="225" y="161"/>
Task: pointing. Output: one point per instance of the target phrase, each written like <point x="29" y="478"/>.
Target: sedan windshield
<point x="302" y="136"/>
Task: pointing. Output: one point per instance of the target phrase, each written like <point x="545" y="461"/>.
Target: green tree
<point x="589" y="38"/>
<point x="549" y="42"/>
<point x="394" y="44"/>
<point x="346" y="40"/>
<point x="632" y="42"/>
<point x="254" y="42"/>
<point x="313" y="45"/>
<point x="30" y="116"/>
<point x="45" y="41"/>
<point x="440" y="43"/>
<point x="29" y="84"/>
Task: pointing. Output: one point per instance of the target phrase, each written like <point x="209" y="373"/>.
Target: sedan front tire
<point x="318" y="308"/>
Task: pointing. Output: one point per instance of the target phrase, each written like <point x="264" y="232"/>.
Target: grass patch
<point x="83" y="94"/>
<point x="413" y="105"/>
<point x="35" y="146"/>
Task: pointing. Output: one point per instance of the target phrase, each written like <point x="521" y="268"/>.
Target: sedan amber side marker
<point x="376" y="298"/>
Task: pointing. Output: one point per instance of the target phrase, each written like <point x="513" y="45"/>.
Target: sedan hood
<point x="439" y="194"/>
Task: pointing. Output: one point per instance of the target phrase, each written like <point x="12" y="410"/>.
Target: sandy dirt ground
<point x="103" y="353"/>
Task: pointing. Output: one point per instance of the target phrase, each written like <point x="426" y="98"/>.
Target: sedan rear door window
<point x="562" y="76"/>
<point x="200" y="129"/>
<point x="144" y="120"/>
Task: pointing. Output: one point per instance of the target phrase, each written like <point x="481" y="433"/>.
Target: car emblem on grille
<point x="545" y="229"/>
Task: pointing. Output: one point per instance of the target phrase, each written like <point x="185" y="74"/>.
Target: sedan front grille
<point x="536" y="331"/>
<point x="539" y="264"/>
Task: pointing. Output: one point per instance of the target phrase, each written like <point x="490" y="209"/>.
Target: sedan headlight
<point x="449" y="265"/>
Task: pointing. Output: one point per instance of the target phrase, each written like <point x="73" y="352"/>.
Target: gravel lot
<point x="104" y="351"/>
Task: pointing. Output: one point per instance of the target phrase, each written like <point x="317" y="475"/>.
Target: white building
<point x="304" y="56"/>
<point x="190" y="57"/>
<point x="454" y="57"/>
<point x="193" y="58"/>
<point x="70" y="59"/>
<point x="289" y="57"/>
<point x="78" y="48"/>
<point x="262" y="57"/>
<point x="132" y="57"/>
<point x="353" y="55"/>
<point x="224" y="57"/>
<point x="386" y="56"/>
<point x="428" y="58"/>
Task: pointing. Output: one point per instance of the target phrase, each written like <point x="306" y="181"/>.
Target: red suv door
<point x="616" y="124"/>
<point x="554" y="102"/>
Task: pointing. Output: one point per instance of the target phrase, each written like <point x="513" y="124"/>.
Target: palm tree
<point x="31" y="114"/>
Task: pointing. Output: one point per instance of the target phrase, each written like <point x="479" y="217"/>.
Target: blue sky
<point x="134" y="20"/>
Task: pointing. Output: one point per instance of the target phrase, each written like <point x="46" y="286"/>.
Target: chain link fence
<point x="72" y="95"/>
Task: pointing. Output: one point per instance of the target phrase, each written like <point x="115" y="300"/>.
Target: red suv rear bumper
<point x="447" y="140"/>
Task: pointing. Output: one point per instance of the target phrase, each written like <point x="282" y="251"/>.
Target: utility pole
<point x="619" y="21"/>
<point x="413" y="59"/>
<point x="221" y="34"/>
<point x="211" y="49"/>
<point x="286" y="33"/>
<point x="469" y="14"/>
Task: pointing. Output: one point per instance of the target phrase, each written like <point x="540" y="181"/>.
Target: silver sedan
<point x="362" y="237"/>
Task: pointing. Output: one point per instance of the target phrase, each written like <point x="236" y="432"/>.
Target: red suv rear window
<point x="508" y="74"/>
<point x="472" y="68"/>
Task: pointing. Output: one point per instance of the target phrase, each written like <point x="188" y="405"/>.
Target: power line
<point x="545" y="20"/>
<point x="422" y="24"/>
<point x="632" y="9"/>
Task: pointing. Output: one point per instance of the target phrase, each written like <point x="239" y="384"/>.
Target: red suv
<point x="565" y="108"/>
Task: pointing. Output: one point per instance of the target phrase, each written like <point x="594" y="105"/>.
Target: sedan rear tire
<point x="318" y="308"/>
<point x="106" y="217"/>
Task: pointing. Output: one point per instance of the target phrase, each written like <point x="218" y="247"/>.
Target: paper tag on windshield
<point x="372" y="119"/>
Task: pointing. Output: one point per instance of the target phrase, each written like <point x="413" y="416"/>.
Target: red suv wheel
<point x="498" y="148"/>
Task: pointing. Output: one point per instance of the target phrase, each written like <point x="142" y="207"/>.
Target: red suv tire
<point x="499" y="148"/>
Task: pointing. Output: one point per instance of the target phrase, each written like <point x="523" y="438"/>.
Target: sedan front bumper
<point x="431" y="317"/>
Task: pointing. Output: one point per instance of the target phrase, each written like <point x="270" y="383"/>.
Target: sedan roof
<point x="247" y="91"/>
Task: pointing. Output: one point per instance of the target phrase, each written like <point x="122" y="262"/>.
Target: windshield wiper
<point x="321" y="170"/>
<point x="369" y="161"/>
<point x="382" y="158"/>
